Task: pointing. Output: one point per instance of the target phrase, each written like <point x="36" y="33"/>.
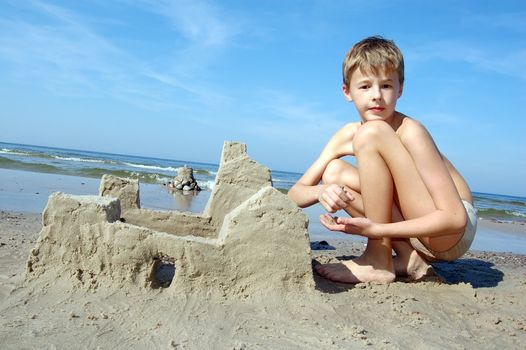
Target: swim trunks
<point x="460" y="248"/>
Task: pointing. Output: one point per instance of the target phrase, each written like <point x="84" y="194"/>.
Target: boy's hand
<point x="334" y="198"/>
<point x="357" y="226"/>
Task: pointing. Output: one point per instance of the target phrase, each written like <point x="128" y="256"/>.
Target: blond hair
<point x="372" y="55"/>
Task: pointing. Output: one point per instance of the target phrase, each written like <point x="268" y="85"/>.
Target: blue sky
<point x="174" y="79"/>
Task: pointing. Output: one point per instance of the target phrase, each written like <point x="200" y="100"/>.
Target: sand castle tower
<point x="250" y="239"/>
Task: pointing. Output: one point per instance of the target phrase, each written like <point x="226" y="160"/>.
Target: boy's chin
<point x="373" y="118"/>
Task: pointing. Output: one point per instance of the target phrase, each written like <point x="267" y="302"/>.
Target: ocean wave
<point x="143" y="177"/>
<point x="204" y="172"/>
<point x="497" y="199"/>
<point x="501" y="214"/>
<point x="207" y="185"/>
<point x="7" y="163"/>
<point x="151" y="167"/>
<point x="86" y="160"/>
<point x="8" y="151"/>
<point x="62" y="157"/>
<point x="276" y="179"/>
<point x="157" y="176"/>
<point x="16" y="152"/>
<point x="169" y="169"/>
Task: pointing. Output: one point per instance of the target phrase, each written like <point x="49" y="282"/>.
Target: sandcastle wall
<point x="238" y="178"/>
<point x="96" y="243"/>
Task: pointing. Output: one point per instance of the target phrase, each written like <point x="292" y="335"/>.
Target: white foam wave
<point x="9" y="151"/>
<point x="75" y="159"/>
<point x="151" y="167"/>
<point x="276" y="179"/>
<point x="207" y="185"/>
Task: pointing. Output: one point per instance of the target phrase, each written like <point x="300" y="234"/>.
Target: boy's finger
<point x="347" y="195"/>
<point x="331" y="204"/>
<point x="328" y="207"/>
<point x="327" y="219"/>
<point x="332" y="220"/>
<point x="335" y="202"/>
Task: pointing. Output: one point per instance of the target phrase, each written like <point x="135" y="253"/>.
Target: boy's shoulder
<point x="411" y="128"/>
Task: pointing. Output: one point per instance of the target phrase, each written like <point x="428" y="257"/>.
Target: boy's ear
<point x="346" y="93"/>
<point x="401" y="90"/>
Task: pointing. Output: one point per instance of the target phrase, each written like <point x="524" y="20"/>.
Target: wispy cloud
<point x="199" y="22"/>
<point x="515" y="21"/>
<point x="511" y="61"/>
<point x="288" y="117"/>
<point x="69" y="55"/>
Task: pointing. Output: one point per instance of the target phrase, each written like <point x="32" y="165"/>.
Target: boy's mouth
<point x="376" y="109"/>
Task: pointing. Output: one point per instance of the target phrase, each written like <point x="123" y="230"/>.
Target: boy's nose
<point x="376" y="93"/>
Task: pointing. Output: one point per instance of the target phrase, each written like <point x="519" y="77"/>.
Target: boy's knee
<point x="333" y="171"/>
<point x="370" y="133"/>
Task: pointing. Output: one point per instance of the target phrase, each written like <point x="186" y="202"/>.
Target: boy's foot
<point x="414" y="267"/>
<point x="354" y="271"/>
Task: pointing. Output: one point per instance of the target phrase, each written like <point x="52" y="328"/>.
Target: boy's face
<point x="374" y="95"/>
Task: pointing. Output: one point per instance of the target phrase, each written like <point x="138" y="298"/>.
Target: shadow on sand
<point x="477" y="273"/>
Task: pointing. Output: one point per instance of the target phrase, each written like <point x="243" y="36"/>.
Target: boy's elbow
<point x="294" y="195"/>
<point x="459" y="221"/>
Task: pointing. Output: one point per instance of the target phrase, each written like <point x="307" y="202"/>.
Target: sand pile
<point x="250" y="240"/>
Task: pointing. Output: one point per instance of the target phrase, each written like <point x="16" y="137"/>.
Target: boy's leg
<point x="376" y="264"/>
<point x="384" y="165"/>
<point x="387" y="171"/>
<point x="341" y="173"/>
<point x="407" y="261"/>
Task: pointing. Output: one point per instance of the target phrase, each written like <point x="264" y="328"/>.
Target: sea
<point x="150" y="170"/>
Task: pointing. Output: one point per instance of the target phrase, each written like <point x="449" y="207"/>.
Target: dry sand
<point x="480" y="305"/>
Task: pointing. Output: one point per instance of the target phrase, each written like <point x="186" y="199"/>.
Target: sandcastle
<point x="249" y="240"/>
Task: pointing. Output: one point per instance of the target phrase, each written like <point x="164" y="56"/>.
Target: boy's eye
<point x="363" y="86"/>
<point x="386" y="86"/>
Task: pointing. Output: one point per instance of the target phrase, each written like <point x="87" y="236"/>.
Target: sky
<point x="175" y="79"/>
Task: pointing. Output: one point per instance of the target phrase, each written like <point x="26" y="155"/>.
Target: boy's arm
<point x="449" y="215"/>
<point x="308" y="188"/>
<point x="430" y="225"/>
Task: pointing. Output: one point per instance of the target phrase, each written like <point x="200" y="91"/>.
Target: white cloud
<point x="64" y="52"/>
<point x="200" y="22"/>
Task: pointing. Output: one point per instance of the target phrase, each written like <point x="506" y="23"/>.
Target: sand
<point x="480" y="305"/>
<point x="79" y="276"/>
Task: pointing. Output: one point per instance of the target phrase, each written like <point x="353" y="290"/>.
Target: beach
<point x="169" y="172"/>
<point x="475" y="302"/>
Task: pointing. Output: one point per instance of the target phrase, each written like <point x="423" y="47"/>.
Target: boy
<point x="404" y="195"/>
